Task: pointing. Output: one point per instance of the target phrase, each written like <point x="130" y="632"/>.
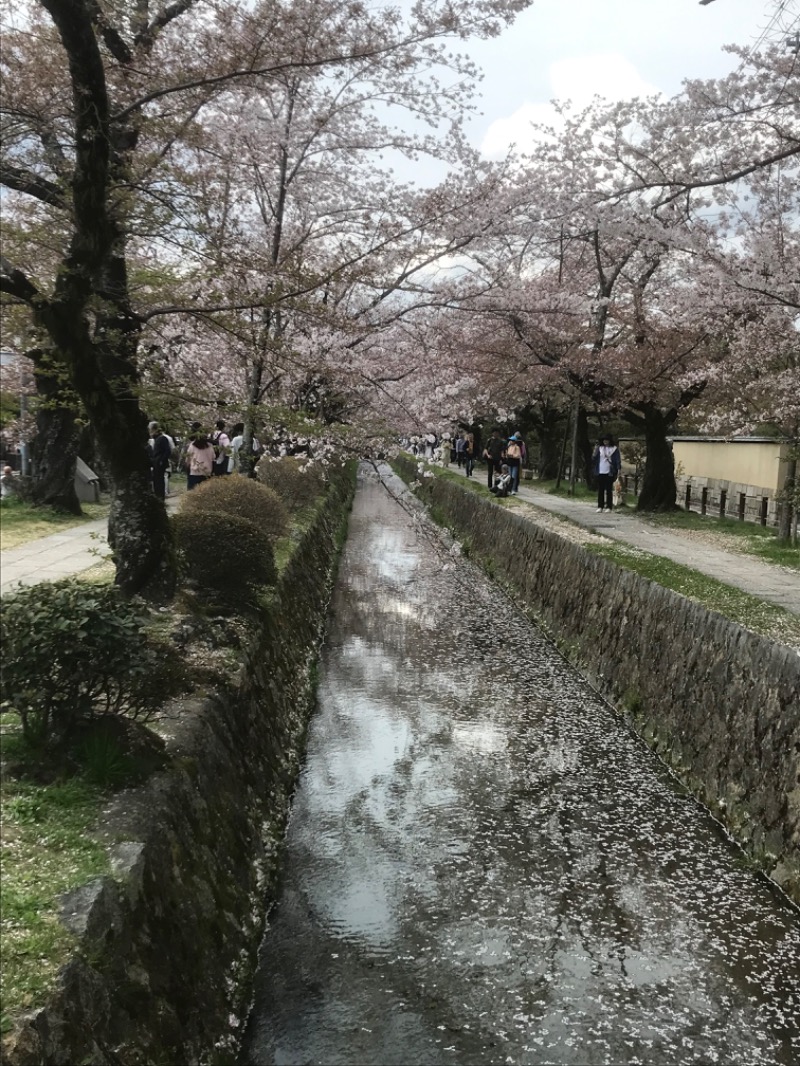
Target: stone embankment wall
<point x="168" y="944"/>
<point x="718" y="703"/>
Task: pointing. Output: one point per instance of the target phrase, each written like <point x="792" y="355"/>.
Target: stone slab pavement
<point x="775" y="584"/>
<point x="50" y="558"/>
<point x="59" y="555"/>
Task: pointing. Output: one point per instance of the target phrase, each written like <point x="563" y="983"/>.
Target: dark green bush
<point x="240" y="497"/>
<point x="296" y="481"/>
<point x="73" y="652"/>
<point x="226" y="558"/>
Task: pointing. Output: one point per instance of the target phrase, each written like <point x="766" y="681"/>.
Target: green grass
<point x="476" y="483"/>
<point x="101" y="573"/>
<point x="301" y="521"/>
<point x="752" y="539"/>
<point x="748" y="611"/>
<point x="20" y="522"/>
<point x="46" y="851"/>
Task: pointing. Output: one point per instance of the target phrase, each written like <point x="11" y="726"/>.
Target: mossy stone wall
<point x="721" y="705"/>
<point x="168" y="944"/>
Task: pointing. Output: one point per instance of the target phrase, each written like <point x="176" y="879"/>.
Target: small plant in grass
<point x="242" y="498"/>
<point x="75" y="652"/>
<point x="226" y="559"/>
<point x="296" y="481"/>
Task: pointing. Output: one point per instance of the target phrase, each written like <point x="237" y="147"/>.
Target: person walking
<point x="459" y="450"/>
<point x="200" y="460"/>
<point x="514" y="461"/>
<point x="494" y="453"/>
<point x="469" y="453"/>
<point x="160" y="455"/>
<point x="606" y="463"/>
<point x="221" y="443"/>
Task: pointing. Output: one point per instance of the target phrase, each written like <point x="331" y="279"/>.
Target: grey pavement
<point x="60" y="555"/>
<point x="50" y="558"/>
<point x="774" y="584"/>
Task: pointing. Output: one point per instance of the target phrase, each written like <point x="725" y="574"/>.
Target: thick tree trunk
<point x="585" y="449"/>
<point x="658" y="484"/>
<point x="88" y="316"/>
<point x="140" y="537"/>
<point x="55" y="446"/>
<point x="138" y="526"/>
<point x="788" y="504"/>
<point x="105" y="378"/>
<point x="550" y="433"/>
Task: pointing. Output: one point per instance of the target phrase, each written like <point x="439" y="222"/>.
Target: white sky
<point x="575" y="49"/>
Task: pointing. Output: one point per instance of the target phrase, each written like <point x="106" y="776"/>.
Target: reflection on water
<point x="483" y="865"/>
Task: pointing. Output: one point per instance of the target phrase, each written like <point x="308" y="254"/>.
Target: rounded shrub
<point x="240" y="497"/>
<point x="225" y="557"/>
<point x="296" y="481"/>
<point x="74" y="652"/>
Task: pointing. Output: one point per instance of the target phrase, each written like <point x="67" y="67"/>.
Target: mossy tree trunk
<point x="789" y="495"/>
<point x="659" y="488"/>
<point x="55" y="446"/>
<point x="88" y="318"/>
<point x="585" y="448"/>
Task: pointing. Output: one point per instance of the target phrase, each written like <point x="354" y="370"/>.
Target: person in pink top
<point x="200" y="460"/>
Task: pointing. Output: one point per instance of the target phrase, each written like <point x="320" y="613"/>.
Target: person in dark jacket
<point x="494" y="453"/>
<point x="160" y="453"/>
<point x="607" y="463"/>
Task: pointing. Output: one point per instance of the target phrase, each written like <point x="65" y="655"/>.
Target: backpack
<point x="513" y="451"/>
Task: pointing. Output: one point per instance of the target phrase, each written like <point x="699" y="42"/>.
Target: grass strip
<point x="748" y="611"/>
<point x="45" y="851"/>
<point x="756" y="540"/>
<point x="20" y="522"/>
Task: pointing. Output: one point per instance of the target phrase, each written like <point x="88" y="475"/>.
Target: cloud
<point x="579" y="79"/>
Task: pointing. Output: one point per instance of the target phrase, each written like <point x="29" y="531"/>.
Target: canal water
<point x="484" y="865"/>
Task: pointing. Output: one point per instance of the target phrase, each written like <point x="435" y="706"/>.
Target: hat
<point x="517" y="436"/>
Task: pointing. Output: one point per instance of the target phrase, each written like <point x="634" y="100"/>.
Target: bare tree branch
<point x="25" y="181"/>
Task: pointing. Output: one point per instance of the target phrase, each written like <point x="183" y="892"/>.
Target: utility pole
<point x="24" y="450"/>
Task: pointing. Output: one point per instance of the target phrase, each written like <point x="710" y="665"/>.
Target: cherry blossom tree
<point x="99" y="101"/>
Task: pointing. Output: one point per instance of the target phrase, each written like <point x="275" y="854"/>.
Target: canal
<point x="484" y="865"/>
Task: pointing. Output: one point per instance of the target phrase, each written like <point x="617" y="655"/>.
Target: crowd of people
<point x="200" y="456"/>
<point x="203" y="455"/>
<point x="505" y="458"/>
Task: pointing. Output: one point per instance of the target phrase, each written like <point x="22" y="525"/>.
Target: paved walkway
<point x="60" y="555"/>
<point x="775" y="584"/>
<point x="50" y="558"/>
<point x="74" y="550"/>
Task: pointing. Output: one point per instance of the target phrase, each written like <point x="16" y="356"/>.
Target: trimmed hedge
<point x="239" y="497"/>
<point x="227" y="558"/>
<point x="297" y="481"/>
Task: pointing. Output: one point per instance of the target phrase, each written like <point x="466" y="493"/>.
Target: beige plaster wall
<point x="742" y="462"/>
